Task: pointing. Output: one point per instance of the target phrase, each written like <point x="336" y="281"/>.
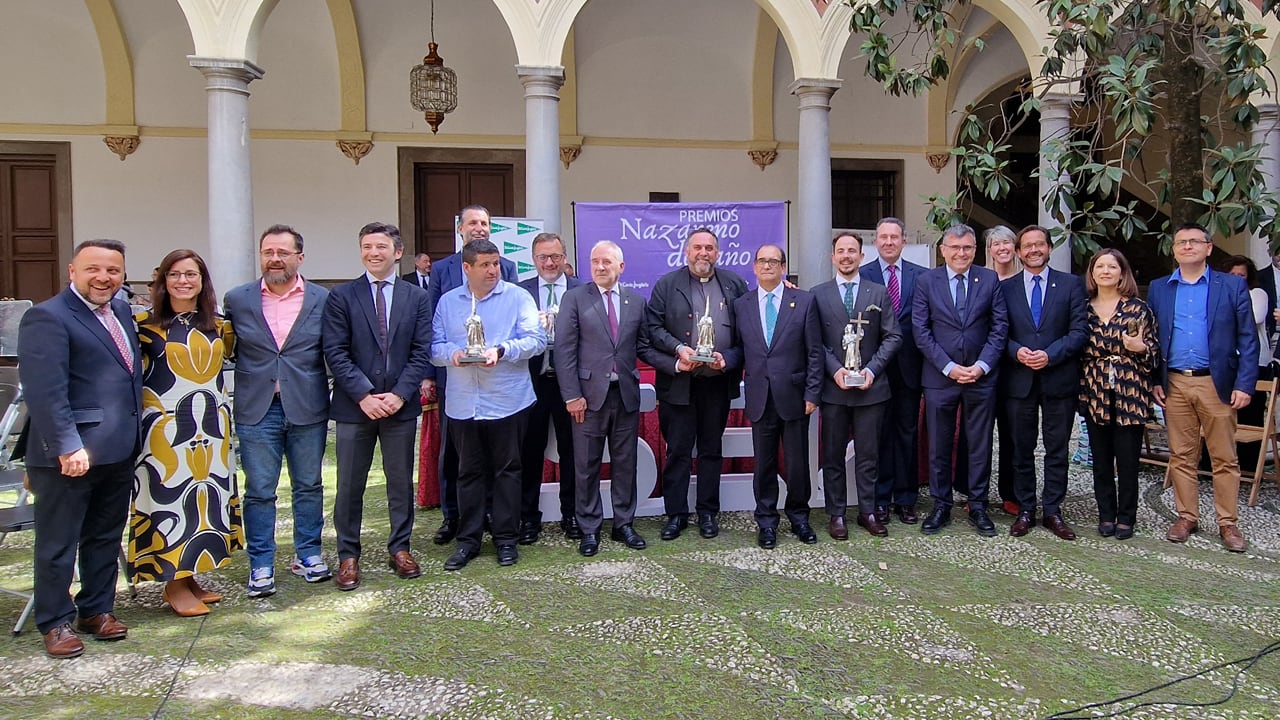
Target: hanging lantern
<point x="433" y="88"/>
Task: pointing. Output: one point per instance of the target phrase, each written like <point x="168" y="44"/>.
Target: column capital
<point x="228" y="74"/>
<point x="815" y="92"/>
<point x="541" y="80"/>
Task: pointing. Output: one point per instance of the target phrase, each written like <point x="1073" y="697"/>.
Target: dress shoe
<point x="1124" y="532"/>
<point x="61" y="643"/>
<point x="675" y="525"/>
<point x="837" y="529"/>
<point x="102" y="627"/>
<point x="1107" y="529"/>
<point x="348" y="574"/>
<point x="404" y="565"/>
<point x="181" y="601"/>
<point x="448" y="531"/>
<point x="1233" y="539"/>
<point x="627" y="534"/>
<point x="460" y="557"/>
<point x="871" y="521"/>
<point x="1058" y="527"/>
<point x="1011" y="507"/>
<point x="1023" y="524"/>
<point x="805" y="532"/>
<point x="906" y="513"/>
<point x="978" y="517"/>
<point x="1181" y="529"/>
<point x="767" y="538"/>
<point x="708" y="526"/>
<point x="570" y="527"/>
<point x="937" y="520"/>
<point x="529" y="532"/>
<point x="507" y="555"/>
<point x="882" y="514"/>
<point x="208" y="597"/>
<point x="589" y="545"/>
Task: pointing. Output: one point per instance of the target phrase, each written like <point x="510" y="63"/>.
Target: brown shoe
<point x="404" y="565"/>
<point x="348" y="574"/>
<point x="1023" y="524"/>
<point x="1181" y="530"/>
<point x="207" y="597"/>
<point x="871" y="521"/>
<point x="61" y="643"/>
<point x="907" y="514"/>
<point x="1058" y="527"/>
<point x="178" y="594"/>
<point x="102" y="627"/>
<point x="1233" y="539"/>
<point x="837" y="529"/>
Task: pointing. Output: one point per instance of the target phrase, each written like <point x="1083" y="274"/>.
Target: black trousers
<point x="85" y="514"/>
<point x="448" y="460"/>
<point x="899" y="481"/>
<point x="864" y="421"/>
<point x="355" y="444"/>
<point x="766" y="434"/>
<point x="547" y="410"/>
<point x="489" y="465"/>
<point x="1115" y="470"/>
<point x="613" y="424"/>
<point x="1027" y="416"/>
<point x="701" y="423"/>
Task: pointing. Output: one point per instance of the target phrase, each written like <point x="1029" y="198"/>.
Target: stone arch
<point x="117" y="66"/>
<point x="227" y="28"/>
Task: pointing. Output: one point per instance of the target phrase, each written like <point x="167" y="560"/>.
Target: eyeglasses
<point x="1191" y="242"/>
<point x="961" y="248"/>
<point x="768" y="262"/>
<point x="189" y="276"/>
<point x="282" y="254"/>
<point x="549" y="258"/>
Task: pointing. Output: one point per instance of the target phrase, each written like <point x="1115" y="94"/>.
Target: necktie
<point x="113" y="327"/>
<point x="423" y="281"/>
<point x="962" y="297"/>
<point x="613" y="315"/>
<point x="551" y="295"/>
<point x="848" y="298"/>
<point x="380" y="307"/>
<point x="895" y="291"/>
<point x="1037" y="300"/>
<point x="770" y="318"/>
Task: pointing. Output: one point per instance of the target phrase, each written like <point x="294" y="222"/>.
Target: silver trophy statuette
<point x="705" y="351"/>
<point x="549" y="324"/>
<point x="474" y="352"/>
<point x="852" y="344"/>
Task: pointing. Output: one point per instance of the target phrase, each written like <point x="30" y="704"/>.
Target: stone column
<point x="232" y="254"/>
<point x="1055" y="124"/>
<point x="542" y="142"/>
<point x="811" y="243"/>
<point x="1267" y="134"/>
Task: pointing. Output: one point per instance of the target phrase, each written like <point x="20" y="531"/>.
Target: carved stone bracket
<point x="938" y="160"/>
<point x="355" y="149"/>
<point x="763" y="158"/>
<point x="122" y="145"/>
<point x="569" y="153"/>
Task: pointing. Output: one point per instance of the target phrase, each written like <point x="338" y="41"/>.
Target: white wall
<point x="39" y="84"/>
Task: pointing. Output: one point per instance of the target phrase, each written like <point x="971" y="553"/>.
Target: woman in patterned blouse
<point x="1118" y="362"/>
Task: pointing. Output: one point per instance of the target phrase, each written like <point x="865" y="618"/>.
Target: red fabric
<point x="428" y="456"/>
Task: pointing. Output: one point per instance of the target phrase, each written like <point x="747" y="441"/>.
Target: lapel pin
<point x="792" y="305"/>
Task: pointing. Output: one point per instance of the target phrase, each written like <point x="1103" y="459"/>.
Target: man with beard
<point x="421" y="275"/>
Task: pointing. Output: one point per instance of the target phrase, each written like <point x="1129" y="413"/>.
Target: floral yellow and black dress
<point x="186" y="507"/>
<point x="1116" y="399"/>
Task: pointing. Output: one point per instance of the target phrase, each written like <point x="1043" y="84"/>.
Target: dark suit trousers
<point x="489" y="465"/>
<point x="837" y="422"/>
<point x="355" y="443"/>
<point x="1025" y="415"/>
<point x="899" y="480"/>
<point x="699" y="423"/>
<point x="448" y="462"/>
<point x="548" y="409"/>
<point x="612" y="423"/>
<point x="794" y="436"/>
<point x="977" y="403"/>
<point x="84" y="513"/>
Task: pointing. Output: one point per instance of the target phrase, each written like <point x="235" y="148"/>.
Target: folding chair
<point x="17" y="519"/>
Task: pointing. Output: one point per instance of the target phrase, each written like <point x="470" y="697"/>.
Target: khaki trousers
<point x="1193" y="408"/>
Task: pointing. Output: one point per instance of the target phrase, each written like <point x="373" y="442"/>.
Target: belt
<point x="1198" y="372"/>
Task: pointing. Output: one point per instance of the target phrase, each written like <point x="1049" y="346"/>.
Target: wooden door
<point x="442" y="189"/>
<point x="28" y="227"/>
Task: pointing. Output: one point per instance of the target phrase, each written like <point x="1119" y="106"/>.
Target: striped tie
<point x="895" y="291"/>
<point x="113" y="326"/>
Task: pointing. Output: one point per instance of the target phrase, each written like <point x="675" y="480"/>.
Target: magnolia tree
<point x="1180" y="76"/>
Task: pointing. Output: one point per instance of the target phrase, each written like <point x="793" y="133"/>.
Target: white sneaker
<point x="262" y="582"/>
<point x="311" y="568"/>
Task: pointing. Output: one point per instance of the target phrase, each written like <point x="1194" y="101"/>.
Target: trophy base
<point x="703" y="358"/>
<point x="854" y="380"/>
<point x="471" y="360"/>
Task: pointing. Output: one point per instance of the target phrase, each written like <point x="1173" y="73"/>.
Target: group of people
<point x="129" y="419"/>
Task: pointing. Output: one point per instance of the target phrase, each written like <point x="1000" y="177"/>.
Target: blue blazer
<point x="358" y="365"/>
<point x="1062" y="333"/>
<point x="78" y="391"/>
<point x="908" y="359"/>
<point x="447" y="275"/>
<point x="1232" y="334"/>
<point x="534" y="286"/>
<point x="791" y="366"/>
<point x="943" y="338"/>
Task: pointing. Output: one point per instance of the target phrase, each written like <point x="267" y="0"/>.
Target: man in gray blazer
<point x="281" y="405"/>
<point x="599" y="333"/>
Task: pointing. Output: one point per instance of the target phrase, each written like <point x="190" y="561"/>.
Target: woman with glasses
<point x="1002" y="256"/>
<point x="186" y="508"/>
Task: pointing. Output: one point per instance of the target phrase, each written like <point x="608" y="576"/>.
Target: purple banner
<point x="652" y="235"/>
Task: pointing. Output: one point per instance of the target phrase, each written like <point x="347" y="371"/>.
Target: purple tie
<point x="613" y="316"/>
<point x="895" y="292"/>
<point x="113" y="327"/>
<point x="380" y="309"/>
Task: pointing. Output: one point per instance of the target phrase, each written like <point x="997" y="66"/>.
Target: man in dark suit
<point x="81" y="372"/>
<point x="473" y="224"/>
<point x="547" y="289"/>
<point x="852" y="309"/>
<point x="898" y="486"/>
<point x="1267" y="277"/>
<point x="1048" y="327"/>
<point x="377" y="341"/>
<point x="960" y="325"/>
<point x="781" y="346"/>
<point x="694" y="396"/>
<point x="421" y="275"/>
<point x="1208" y="343"/>
<point x="599" y="334"/>
<point x="282" y="406"/>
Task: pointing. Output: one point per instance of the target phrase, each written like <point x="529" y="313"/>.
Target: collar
<point x="884" y="266"/>
<point x="83" y="299"/>
<point x="695" y="278"/>
<point x="391" y="279"/>
<point x="776" y="292"/>
<point x="559" y="282"/>
<point x="298" y="285"/>
<point x="1176" y="277"/>
<point x="497" y="290"/>
<point x="604" y="289"/>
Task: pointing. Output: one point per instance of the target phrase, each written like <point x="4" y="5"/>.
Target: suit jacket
<point x="907" y="361"/>
<point x="1232" y="334"/>
<point x="672" y="319"/>
<point x="586" y="352"/>
<point x="446" y="275"/>
<point x="534" y="286"/>
<point x="791" y="366"/>
<point x="78" y="390"/>
<point x="881" y="340"/>
<point x="412" y="278"/>
<point x="298" y="365"/>
<point x="1062" y="333"/>
<point x="358" y="365"/>
<point x="1267" y="281"/>
<point x="943" y="338"/>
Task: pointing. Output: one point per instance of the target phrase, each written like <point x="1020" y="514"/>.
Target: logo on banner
<point x="497" y="228"/>
<point x="522" y="229"/>
<point x="524" y="267"/>
<point x="509" y="247"/>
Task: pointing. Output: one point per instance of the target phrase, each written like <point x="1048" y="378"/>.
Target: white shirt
<point x="561" y="287"/>
<point x="1028" y="284"/>
<point x="386" y="291"/>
